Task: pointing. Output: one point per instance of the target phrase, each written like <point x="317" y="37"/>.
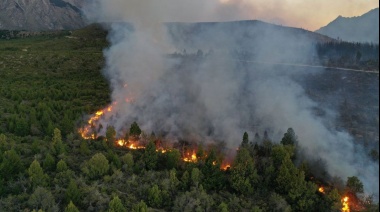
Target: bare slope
<point x="363" y="28"/>
<point x="37" y="15"/>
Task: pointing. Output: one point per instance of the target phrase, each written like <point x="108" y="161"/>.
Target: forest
<point x="48" y="86"/>
<point x="362" y="56"/>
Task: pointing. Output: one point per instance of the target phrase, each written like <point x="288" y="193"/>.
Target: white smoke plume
<point x="214" y="97"/>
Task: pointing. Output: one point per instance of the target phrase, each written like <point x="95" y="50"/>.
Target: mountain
<point x="237" y="30"/>
<point x="247" y="39"/>
<point x="363" y="28"/>
<point x="37" y="15"/>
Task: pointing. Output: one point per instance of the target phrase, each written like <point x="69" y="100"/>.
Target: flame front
<point x="321" y="189"/>
<point x="129" y="144"/>
<point x="346" y="207"/>
<point x="190" y="157"/>
<point x="120" y="142"/>
<point x="87" y="131"/>
<point x="225" y="167"/>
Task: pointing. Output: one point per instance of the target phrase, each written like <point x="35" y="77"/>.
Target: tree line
<point x="73" y="174"/>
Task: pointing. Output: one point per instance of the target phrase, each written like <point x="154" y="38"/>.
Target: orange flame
<point x="120" y="142"/>
<point x="129" y="144"/>
<point x="86" y="131"/>
<point x="346" y="207"/>
<point x="162" y="150"/>
<point x="190" y="157"/>
<point x="135" y="146"/>
<point x="321" y="189"/>
<point x="225" y="167"/>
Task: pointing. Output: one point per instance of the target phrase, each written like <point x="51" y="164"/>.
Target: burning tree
<point x="351" y="200"/>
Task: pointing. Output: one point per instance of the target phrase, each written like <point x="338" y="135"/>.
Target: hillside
<point x="247" y="28"/>
<point x="37" y="15"/>
<point x="363" y="28"/>
<point x="50" y="83"/>
<point x="249" y="39"/>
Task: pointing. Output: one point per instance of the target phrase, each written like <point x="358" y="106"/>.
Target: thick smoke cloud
<point x="210" y="96"/>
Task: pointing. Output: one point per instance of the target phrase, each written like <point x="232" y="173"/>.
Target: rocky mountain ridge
<point x="364" y="28"/>
<point x="39" y="15"/>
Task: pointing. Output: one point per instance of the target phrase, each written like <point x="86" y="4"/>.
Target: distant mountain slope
<point x="37" y="15"/>
<point x="363" y="28"/>
<point x="248" y="39"/>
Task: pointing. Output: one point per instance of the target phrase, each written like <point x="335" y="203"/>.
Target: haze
<point x="204" y="105"/>
<point x="307" y="14"/>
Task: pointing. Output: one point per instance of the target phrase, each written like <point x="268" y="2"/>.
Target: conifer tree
<point x="71" y="207"/>
<point x="116" y="205"/>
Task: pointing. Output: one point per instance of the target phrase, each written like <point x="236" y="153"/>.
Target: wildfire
<point x="134" y="146"/>
<point x="190" y="157"/>
<point x="225" y="167"/>
<point x="346" y="207"/>
<point x="120" y="142"/>
<point x="129" y="144"/>
<point x="321" y="189"/>
<point x="162" y="150"/>
<point x="87" y="131"/>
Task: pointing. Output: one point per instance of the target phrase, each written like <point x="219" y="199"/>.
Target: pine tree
<point x="10" y="165"/>
<point x="140" y="207"/>
<point x="36" y="175"/>
<point x="110" y="135"/>
<point x="173" y="158"/>
<point x="289" y="138"/>
<point x="150" y="156"/>
<point x="155" y="197"/>
<point x="97" y="166"/>
<point x="245" y="141"/>
<point x="223" y="207"/>
<point x="61" y="166"/>
<point x="49" y="162"/>
<point x="73" y="194"/>
<point x="243" y="173"/>
<point x="134" y="130"/>
<point x="71" y="207"/>
<point x="214" y="178"/>
<point x="185" y="180"/>
<point x="354" y="185"/>
<point x="116" y="205"/>
<point x="58" y="146"/>
<point x="195" y="176"/>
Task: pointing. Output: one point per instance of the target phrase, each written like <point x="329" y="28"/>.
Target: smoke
<point x="206" y="93"/>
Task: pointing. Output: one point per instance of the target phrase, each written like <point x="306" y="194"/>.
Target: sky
<point x="307" y="14"/>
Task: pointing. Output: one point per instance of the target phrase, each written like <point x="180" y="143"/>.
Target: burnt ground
<point x="355" y="95"/>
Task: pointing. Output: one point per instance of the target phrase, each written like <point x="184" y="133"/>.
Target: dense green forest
<point x="49" y="83"/>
